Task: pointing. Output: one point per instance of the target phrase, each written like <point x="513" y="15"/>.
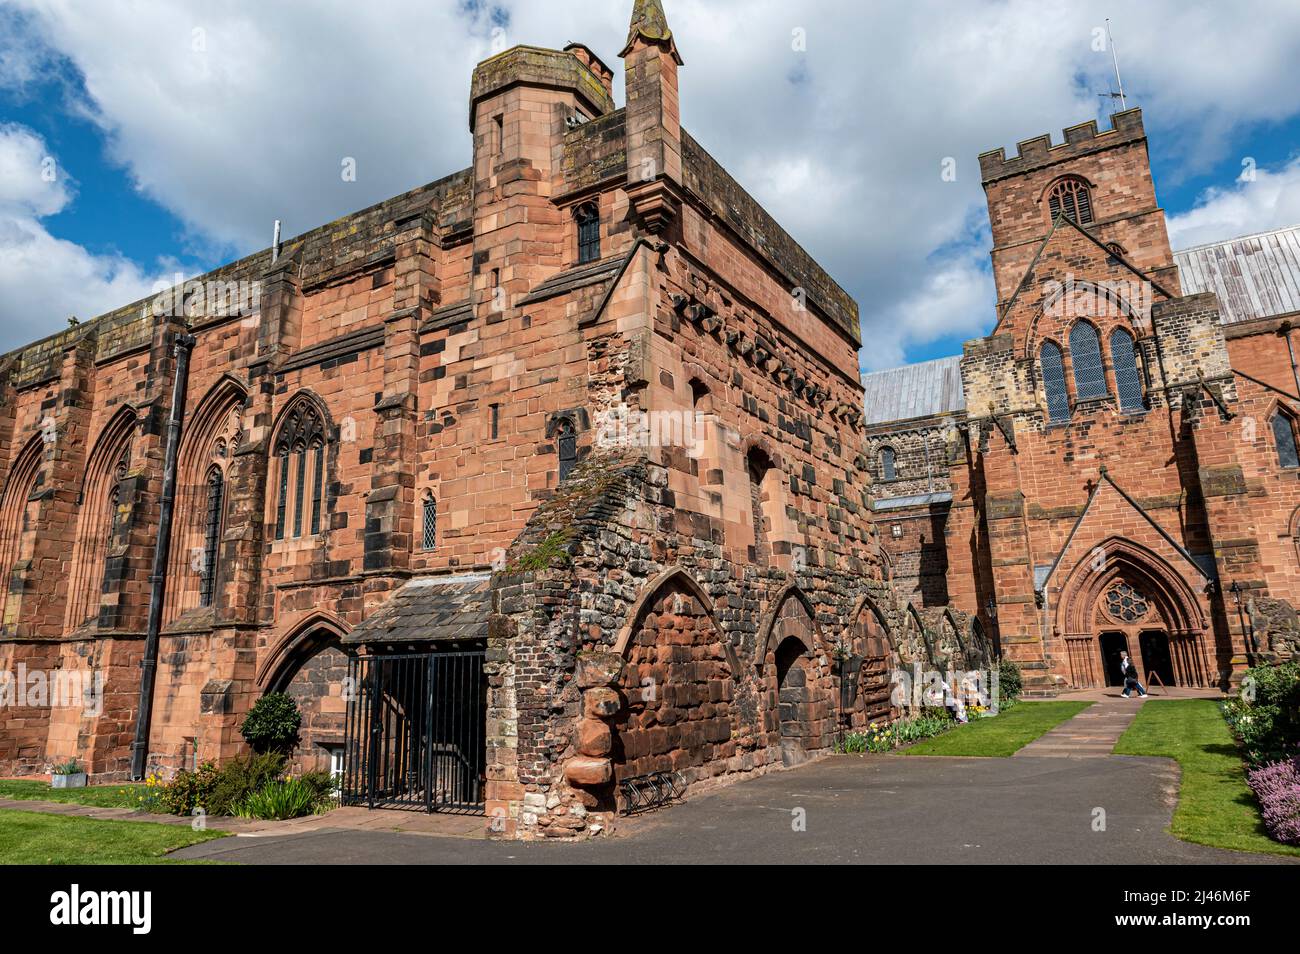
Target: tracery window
<point x="1072" y="198"/>
<point x="1126" y="603"/>
<point x="300" y="448"/>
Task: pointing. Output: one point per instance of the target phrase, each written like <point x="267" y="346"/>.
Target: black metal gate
<point x="414" y="735"/>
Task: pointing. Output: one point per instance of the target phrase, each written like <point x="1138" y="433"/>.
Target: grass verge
<point x="1215" y="805"/>
<point x="31" y="838"/>
<point x="127" y="795"/>
<point x="1001" y="735"/>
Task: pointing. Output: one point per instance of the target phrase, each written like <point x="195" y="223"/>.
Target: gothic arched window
<point x="213" y="433"/>
<point x="888" y="464"/>
<point x="1284" y="436"/>
<point x="14" y="499"/>
<point x="1085" y="355"/>
<point x="104" y="504"/>
<point x="300" y="448"/>
<point x="429" y="530"/>
<point x="1071" y="197"/>
<point x="588" y="217"/>
<point x="1058" y="401"/>
<point x="566" y="439"/>
<point x="1123" y="355"/>
<point x="212" y="535"/>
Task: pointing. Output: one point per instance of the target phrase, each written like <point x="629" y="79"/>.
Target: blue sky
<point x="181" y="130"/>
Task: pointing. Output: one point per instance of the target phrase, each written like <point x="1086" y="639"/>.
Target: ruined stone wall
<point x="626" y="643"/>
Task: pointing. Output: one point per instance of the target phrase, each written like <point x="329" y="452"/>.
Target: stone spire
<point x="649" y="23"/>
<point x="654" y="135"/>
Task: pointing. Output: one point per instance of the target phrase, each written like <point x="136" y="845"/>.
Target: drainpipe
<point x="162" y="545"/>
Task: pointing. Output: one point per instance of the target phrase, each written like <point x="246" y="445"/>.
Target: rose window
<point x="1126" y="603"/>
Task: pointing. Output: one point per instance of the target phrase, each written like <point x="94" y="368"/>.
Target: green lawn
<point x="126" y="795"/>
<point x="30" y="838"/>
<point x="1215" y="806"/>
<point x="1001" y="735"/>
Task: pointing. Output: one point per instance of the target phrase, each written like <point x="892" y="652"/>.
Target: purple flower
<point x="1277" y="787"/>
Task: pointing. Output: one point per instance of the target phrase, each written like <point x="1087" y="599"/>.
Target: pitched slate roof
<point x="430" y="609"/>
<point x="1255" y="276"/>
<point x="914" y="390"/>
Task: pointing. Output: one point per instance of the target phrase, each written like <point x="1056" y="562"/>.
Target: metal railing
<point x="415" y="732"/>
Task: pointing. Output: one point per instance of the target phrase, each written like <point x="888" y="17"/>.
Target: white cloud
<point x="1259" y="200"/>
<point x="249" y="119"/>
<point x="31" y="182"/>
<point x="44" y="279"/>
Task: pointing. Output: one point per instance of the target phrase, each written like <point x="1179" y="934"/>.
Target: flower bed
<point x="1277" y="787"/>
<point x="885" y="736"/>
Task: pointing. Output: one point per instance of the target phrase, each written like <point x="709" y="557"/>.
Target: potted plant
<point x="67" y="775"/>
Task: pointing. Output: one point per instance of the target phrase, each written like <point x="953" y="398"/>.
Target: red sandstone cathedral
<point x="1113" y="468"/>
<point x="535" y="483"/>
<point x="549" y="483"/>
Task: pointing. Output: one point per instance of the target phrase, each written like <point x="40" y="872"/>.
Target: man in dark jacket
<point x="1130" y="671"/>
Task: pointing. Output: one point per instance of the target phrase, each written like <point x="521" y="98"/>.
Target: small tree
<point x="272" y="724"/>
<point x="1009" y="681"/>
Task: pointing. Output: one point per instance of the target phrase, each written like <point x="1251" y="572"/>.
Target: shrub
<point x="1277" y="787"/>
<point x="241" y="777"/>
<point x="188" y="791"/>
<point x="1009" y="682"/>
<point x="290" y="798"/>
<point x="325" y="786"/>
<point x="272" y="724"/>
<point x="1266" y="717"/>
<point x="72" y="767"/>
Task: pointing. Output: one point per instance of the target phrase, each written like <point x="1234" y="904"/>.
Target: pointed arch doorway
<point x="1133" y="601"/>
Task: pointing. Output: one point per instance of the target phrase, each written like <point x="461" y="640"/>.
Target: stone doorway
<point x="794" y="695"/>
<point x="1112" y="644"/>
<point x="1135" y="597"/>
<point x="1156" y="659"/>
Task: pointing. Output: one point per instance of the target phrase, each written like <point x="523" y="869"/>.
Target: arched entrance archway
<point x="1121" y="595"/>
<point x="677" y="683"/>
<point x="799" y="686"/>
<point x="311" y="668"/>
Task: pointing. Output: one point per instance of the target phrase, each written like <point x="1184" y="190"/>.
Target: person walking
<point x="1130" y="673"/>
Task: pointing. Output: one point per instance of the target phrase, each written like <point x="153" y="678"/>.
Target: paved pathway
<point x="1092" y="734"/>
<point x="881" y="809"/>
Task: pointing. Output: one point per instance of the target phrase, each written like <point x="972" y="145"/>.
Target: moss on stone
<point x="551" y="552"/>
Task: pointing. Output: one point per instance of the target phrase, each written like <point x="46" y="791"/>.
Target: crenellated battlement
<point x="1080" y="139"/>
